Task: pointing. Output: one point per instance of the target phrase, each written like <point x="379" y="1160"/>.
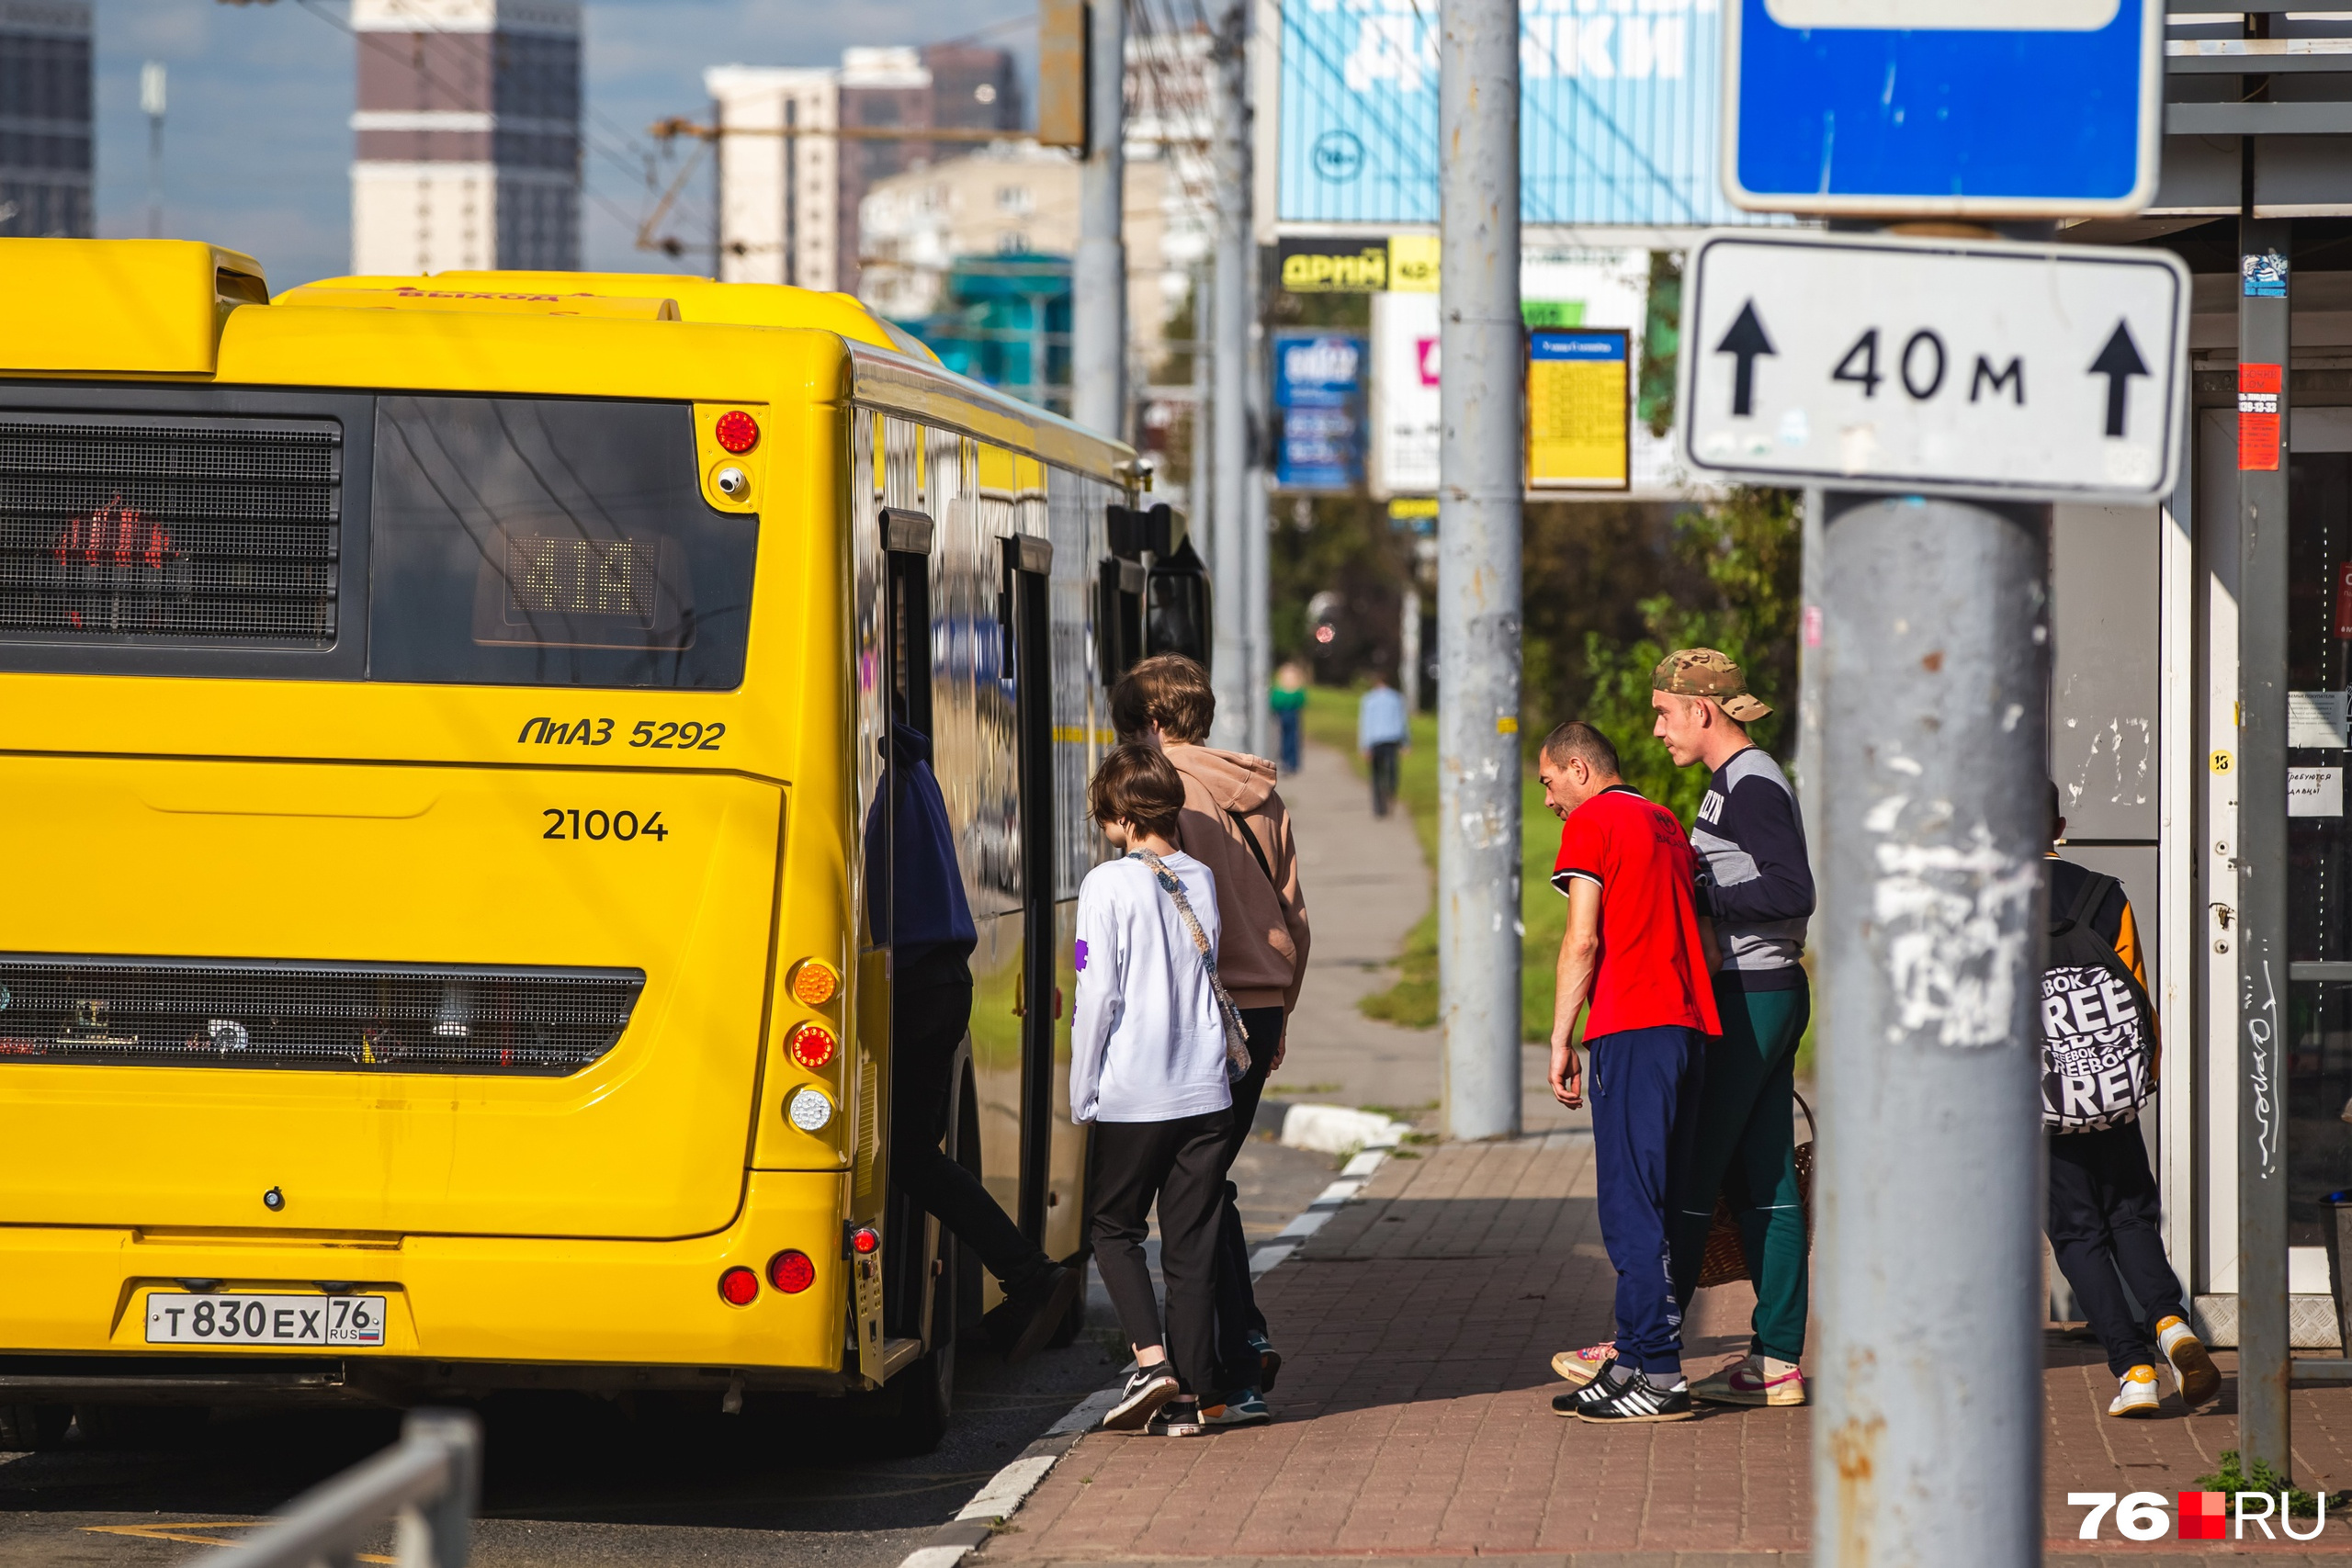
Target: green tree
<point x="1745" y="550"/>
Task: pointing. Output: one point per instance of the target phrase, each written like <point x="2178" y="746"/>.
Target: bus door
<point x="908" y="1311"/>
<point x="1025" y="611"/>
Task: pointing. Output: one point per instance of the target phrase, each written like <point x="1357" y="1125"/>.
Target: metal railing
<point x="427" y="1483"/>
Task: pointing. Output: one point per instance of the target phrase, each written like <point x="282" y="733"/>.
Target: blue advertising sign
<point x="2023" y="108"/>
<point x="1318" y="406"/>
<point x="1618" y="113"/>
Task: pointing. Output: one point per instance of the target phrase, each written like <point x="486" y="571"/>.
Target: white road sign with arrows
<point x="1941" y="366"/>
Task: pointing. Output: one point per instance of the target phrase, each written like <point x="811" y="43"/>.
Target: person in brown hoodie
<point x="1233" y="822"/>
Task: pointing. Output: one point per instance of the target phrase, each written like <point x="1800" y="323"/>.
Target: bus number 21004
<point x="571" y="822"/>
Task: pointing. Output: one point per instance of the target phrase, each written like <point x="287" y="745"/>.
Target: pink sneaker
<point x="1749" y="1381"/>
<point x="1580" y="1366"/>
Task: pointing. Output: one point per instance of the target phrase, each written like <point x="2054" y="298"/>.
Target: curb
<point x="1009" y="1488"/>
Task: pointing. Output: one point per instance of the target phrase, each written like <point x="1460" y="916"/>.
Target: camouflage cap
<point x="1703" y="673"/>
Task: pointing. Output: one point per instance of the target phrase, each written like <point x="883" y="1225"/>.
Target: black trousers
<point x="931" y="1002"/>
<point x="1181" y="1164"/>
<point x="1383" y="775"/>
<point x="2104" y="1220"/>
<point x="1238" y="1316"/>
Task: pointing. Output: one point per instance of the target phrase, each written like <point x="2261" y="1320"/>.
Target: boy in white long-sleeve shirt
<point x="1149" y="1067"/>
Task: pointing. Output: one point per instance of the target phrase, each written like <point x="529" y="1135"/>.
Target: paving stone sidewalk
<point x="1416" y="1421"/>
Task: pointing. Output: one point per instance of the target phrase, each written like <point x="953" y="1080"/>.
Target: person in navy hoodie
<point x="931" y="1000"/>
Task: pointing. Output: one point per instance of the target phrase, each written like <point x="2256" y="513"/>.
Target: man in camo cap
<point x="1755" y="885"/>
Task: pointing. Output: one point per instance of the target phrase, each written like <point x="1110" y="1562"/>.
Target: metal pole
<point x="1098" y="271"/>
<point x="1257" y="622"/>
<point x="1809" y="763"/>
<point x="1934" y="656"/>
<point x="1479" y="489"/>
<point x="1408" y="649"/>
<point x="1229" y="411"/>
<point x="2263" y="1352"/>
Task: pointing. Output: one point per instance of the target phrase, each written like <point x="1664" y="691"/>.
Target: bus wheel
<point x="33" y="1428"/>
<point x="141" y="1426"/>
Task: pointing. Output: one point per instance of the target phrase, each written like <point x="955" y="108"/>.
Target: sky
<point x="258" y="140"/>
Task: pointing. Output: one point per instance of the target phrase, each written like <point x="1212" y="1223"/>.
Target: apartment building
<point x="469" y="135"/>
<point x="45" y="119"/>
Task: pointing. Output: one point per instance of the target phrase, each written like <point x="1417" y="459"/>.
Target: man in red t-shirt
<point x="1635" y="957"/>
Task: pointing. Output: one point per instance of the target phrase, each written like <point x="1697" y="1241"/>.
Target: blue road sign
<point x="2021" y="109"/>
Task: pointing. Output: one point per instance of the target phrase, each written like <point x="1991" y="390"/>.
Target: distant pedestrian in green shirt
<point x="1288" y="700"/>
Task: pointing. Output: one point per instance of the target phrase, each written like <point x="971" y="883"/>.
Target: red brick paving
<point x="1416" y="1422"/>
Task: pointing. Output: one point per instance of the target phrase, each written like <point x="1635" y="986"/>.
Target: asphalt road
<point x="582" y="1482"/>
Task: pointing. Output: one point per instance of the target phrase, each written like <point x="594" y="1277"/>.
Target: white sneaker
<point x="2137" y="1395"/>
<point x="2200" y="1380"/>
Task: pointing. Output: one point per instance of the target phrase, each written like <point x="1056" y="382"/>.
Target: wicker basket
<point x="1724" y="1260"/>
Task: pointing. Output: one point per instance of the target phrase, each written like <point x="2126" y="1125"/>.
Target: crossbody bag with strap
<point x="1236" y="1033"/>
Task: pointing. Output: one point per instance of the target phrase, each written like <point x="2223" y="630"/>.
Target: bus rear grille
<point x="145" y="527"/>
<point x="204" y="1013"/>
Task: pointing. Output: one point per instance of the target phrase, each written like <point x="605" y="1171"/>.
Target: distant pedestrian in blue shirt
<point x="1381" y="737"/>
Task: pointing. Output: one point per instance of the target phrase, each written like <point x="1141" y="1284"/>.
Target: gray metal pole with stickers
<point x="1480" y="484"/>
<point x="1938" y="394"/>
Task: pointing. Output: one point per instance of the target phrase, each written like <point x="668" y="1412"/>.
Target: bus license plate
<point x="230" y="1319"/>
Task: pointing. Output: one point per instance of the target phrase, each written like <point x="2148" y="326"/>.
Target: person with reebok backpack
<point x="2098" y="1069"/>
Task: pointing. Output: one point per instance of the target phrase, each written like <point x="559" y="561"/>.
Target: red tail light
<point x="791" y="1272"/>
<point x="864" y="1240"/>
<point x="736" y="430"/>
<point x="811" y="1046"/>
<point x="738" y="1287"/>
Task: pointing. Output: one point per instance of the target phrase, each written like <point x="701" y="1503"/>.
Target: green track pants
<point x="1745" y="1149"/>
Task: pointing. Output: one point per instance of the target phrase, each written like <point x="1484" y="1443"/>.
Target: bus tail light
<point x="791" y="1272"/>
<point x="814" y="982"/>
<point x="811" y="1046"/>
<point x="865" y="1241"/>
<point x="738" y="1286"/>
<point x="736" y="430"/>
<point x="808" y="1109"/>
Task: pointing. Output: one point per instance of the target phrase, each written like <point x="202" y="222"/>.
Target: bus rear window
<point x="551" y="542"/>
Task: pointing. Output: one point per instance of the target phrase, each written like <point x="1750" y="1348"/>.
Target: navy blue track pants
<point x="1643" y="1084"/>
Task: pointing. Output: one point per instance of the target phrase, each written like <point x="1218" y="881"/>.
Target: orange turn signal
<point x="814" y="982"/>
<point x="811" y="1046"/>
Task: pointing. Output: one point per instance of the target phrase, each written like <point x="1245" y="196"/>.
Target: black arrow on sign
<point x="2119" y="362"/>
<point x="1745" y="341"/>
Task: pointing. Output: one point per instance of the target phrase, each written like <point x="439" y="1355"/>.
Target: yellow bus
<point x="442" y="723"/>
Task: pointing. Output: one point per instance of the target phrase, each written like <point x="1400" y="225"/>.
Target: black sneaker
<point x="1613" y="1375"/>
<point x="1640" y="1398"/>
<point x="1179" y="1418"/>
<point x="1270" y="1360"/>
<point x="1037" y="1309"/>
<point x="1147" y="1389"/>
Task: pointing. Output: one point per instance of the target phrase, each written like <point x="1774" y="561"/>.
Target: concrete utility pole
<point x="2261" y="854"/>
<point x="1257" y="628"/>
<point x="150" y="104"/>
<point x="1933" y="674"/>
<point x="1229" y="360"/>
<point x="1099" y="272"/>
<point x="1479" y="488"/>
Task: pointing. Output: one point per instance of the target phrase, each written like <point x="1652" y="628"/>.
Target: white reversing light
<point x="808" y="1109"/>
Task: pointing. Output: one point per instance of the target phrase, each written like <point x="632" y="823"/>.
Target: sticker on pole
<point x="2009" y="371"/>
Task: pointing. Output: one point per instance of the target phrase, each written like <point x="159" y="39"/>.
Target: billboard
<point x="1619" y="108"/>
<point x="1318" y="409"/>
<point x="1580" y="409"/>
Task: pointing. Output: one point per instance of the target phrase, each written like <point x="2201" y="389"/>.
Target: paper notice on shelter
<point x="2315" y="791"/>
<point x="2316" y="720"/>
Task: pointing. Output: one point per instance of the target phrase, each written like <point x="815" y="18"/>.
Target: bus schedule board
<point x="1579" y="406"/>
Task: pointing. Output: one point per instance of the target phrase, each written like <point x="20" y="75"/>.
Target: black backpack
<point x="2098" y="1034"/>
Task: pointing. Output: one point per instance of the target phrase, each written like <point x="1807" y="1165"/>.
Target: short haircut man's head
<point x="1576" y="739"/>
<point x="1167" y="690"/>
<point x="1136" y="784"/>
